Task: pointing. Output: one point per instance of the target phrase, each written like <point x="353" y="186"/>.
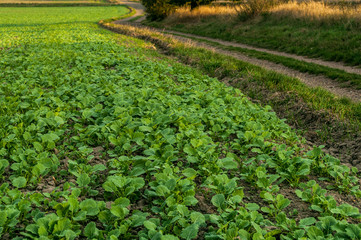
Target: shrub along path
<point x="312" y="80"/>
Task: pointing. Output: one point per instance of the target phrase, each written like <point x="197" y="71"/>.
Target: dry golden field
<point x="312" y="10"/>
<point x="317" y="11"/>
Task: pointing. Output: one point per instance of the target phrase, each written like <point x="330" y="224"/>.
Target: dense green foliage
<point x="101" y="140"/>
<point x="158" y="9"/>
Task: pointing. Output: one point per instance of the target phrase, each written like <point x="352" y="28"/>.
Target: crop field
<point x="102" y="137"/>
<point x="49" y="1"/>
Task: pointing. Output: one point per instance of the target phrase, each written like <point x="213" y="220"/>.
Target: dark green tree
<point x="159" y="9"/>
<point x="193" y="3"/>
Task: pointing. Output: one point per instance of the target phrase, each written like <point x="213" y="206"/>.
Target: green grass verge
<point x="318" y="98"/>
<point x="333" y="42"/>
<point x="136" y="18"/>
<point x="349" y="79"/>
<point x="339" y="109"/>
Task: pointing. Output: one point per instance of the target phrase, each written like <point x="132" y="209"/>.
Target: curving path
<point x="309" y="79"/>
<point x="139" y="11"/>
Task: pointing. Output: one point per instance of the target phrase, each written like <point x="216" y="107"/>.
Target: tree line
<point x="159" y="9"/>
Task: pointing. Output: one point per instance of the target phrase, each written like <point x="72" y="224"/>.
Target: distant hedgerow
<point x="159" y="9"/>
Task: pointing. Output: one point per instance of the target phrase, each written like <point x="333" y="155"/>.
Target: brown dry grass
<point x="317" y="11"/>
<point x="184" y="14"/>
<point x="313" y="11"/>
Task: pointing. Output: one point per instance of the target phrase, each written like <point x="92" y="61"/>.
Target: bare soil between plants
<point x="317" y="127"/>
<point x="340" y="139"/>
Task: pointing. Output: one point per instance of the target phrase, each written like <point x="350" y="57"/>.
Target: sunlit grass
<point x="184" y="14"/>
<point x="317" y="11"/>
<point x="313" y="11"/>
